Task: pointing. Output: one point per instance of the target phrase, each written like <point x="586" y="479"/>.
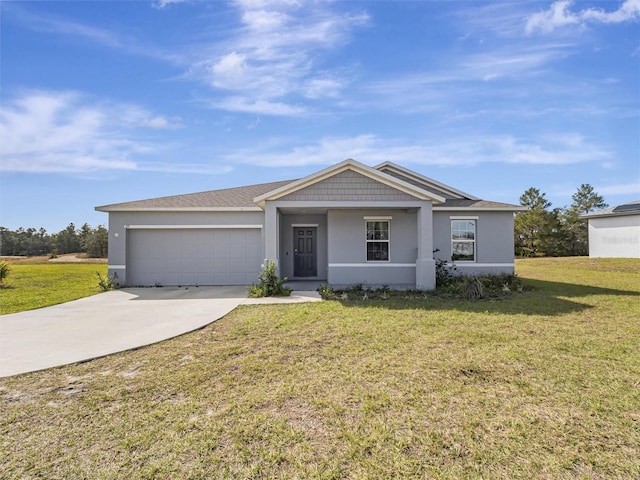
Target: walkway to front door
<point x="304" y="241"/>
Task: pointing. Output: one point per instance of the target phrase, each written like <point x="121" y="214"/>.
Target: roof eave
<point x="419" y="177"/>
<point x="483" y="209"/>
<point x="610" y="214"/>
<point x="115" y="208"/>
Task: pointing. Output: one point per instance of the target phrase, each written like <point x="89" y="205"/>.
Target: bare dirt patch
<point x="43" y="259"/>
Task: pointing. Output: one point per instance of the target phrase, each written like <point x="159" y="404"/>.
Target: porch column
<point x="425" y="264"/>
<point x="271" y="233"/>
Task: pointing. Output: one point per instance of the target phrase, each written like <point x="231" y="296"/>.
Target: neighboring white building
<point x="615" y="232"/>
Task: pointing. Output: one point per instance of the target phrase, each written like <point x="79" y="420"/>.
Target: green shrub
<point x="446" y="274"/>
<point x="5" y="270"/>
<point x="326" y="292"/>
<point x="503" y="283"/>
<point x="270" y="285"/>
<point x="108" y="282"/>
<point x="473" y="289"/>
<point x="361" y="292"/>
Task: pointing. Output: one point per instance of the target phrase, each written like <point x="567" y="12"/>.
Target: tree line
<point x="32" y="242"/>
<point x="559" y="232"/>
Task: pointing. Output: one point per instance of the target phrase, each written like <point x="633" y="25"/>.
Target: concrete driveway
<point x="113" y="322"/>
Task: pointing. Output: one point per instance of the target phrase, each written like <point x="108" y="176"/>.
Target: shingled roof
<point x="478" y="205"/>
<point x="228" y="198"/>
<point x="242" y="198"/>
<point x="631" y="208"/>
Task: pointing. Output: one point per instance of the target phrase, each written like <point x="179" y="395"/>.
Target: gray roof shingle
<point x="242" y="198"/>
<point x="479" y="204"/>
<point x="238" y="197"/>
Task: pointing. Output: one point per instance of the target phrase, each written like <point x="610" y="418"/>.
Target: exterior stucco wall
<point x="617" y="237"/>
<point x="347" y="254"/>
<point x="118" y="222"/>
<point x="348" y="185"/>
<point x="494" y="241"/>
<point x="286" y="242"/>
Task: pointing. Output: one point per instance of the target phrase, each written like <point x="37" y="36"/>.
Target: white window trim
<point x="388" y="240"/>
<point x="474" y="241"/>
<point x="304" y="225"/>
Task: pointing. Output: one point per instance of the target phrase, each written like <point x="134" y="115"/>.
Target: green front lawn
<point x="37" y="285"/>
<point x="541" y="385"/>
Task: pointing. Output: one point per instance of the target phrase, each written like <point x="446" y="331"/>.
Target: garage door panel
<point x="193" y="256"/>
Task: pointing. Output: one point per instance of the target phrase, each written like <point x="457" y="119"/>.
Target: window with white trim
<point x="378" y="241"/>
<point x="463" y="240"/>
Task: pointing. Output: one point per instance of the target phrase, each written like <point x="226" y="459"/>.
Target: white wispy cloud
<point x="270" y="63"/>
<point x="560" y="15"/>
<point x="45" y="131"/>
<point x="504" y="19"/>
<point x="53" y="24"/>
<point x="465" y="77"/>
<point x="164" y="3"/>
<point x="258" y="106"/>
<point x="631" y="188"/>
<point x="570" y="148"/>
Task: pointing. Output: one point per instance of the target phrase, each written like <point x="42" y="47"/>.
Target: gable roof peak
<point x="349" y="164"/>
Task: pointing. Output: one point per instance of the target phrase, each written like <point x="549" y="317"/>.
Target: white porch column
<point x="425" y="264"/>
<point x="271" y="233"/>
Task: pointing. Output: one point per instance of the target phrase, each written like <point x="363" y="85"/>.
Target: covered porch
<point x="371" y="243"/>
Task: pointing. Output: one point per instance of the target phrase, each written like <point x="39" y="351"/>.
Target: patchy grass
<point x="542" y="385"/>
<point x="36" y="283"/>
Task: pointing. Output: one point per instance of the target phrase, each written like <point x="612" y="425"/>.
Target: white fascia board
<point x="178" y="209"/>
<point x="421" y="178"/>
<point x="607" y="215"/>
<point x="358" y="167"/>
<point x="480" y="209"/>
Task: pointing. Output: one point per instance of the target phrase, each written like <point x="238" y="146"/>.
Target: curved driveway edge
<point x="113" y="322"/>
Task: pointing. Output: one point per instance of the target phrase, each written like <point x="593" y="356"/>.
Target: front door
<point x="304" y="261"/>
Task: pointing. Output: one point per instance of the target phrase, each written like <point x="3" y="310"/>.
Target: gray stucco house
<point x="346" y="224"/>
<point x="615" y="232"/>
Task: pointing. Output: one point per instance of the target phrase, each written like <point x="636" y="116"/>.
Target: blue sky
<point x="103" y="102"/>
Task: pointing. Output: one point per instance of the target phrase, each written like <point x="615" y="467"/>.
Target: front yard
<point x="36" y="282"/>
<point x="545" y="384"/>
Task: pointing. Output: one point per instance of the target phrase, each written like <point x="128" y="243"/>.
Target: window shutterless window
<point x="377" y="241"/>
<point x="463" y="240"/>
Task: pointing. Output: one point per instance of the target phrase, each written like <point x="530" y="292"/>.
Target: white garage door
<point x="193" y="257"/>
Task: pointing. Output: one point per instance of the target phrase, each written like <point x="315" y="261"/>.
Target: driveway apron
<point x="112" y="322"/>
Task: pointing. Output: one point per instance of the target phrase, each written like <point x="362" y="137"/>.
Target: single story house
<point x="347" y="224"/>
<point x="615" y="232"/>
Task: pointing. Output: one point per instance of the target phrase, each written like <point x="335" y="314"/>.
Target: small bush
<point x="504" y="283"/>
<point x="108" y="282"/>
<point x="270" y="285"/>
<point x="5" y="270"/>
<point x="326" y="292"/>
<point x="473" y="288"/>
<point x="445" y="274"/>
<point x="362" y="292"/>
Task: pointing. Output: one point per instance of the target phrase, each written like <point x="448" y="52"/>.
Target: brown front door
<point x="304" y="262"/>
